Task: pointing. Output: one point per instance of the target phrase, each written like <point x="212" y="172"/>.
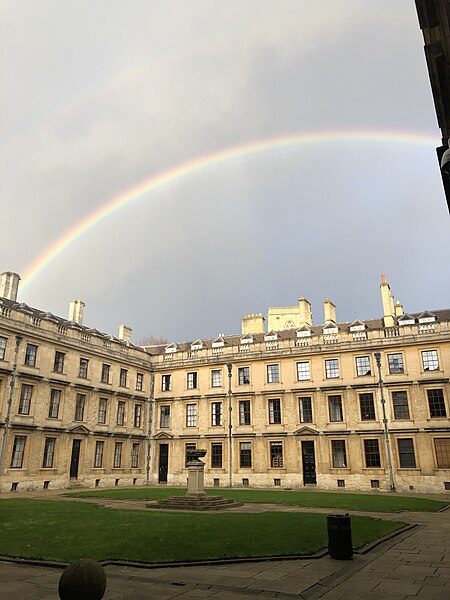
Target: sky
<point x="254" y="152"/>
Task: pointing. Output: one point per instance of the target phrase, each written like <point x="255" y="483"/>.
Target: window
<point x="339" y="454"/>
<point x="166" y="383"/>
<point x="436" y="403"/>
<point x="102" y="406"/>
<point x="18" y="450"/>
<point x="430" y="360"/>
<point x="216" y="378"/>
<point x="192" y="381"/>
<point x="79" y="407"/>
<point x="139" y="382"/>
<point x="244" y="375"/>
<point x="117" y="455"/>
<point x="83" y="372"/>
<point x="332" y="368"/>
<point x="137" y="415"/>
<point x="276" y="454"/>
<point x="58" y="365"/>
<point x="245" y="455"/>
<point x="49" y="452"/>
<point x="367" y="407"/>
<point x="164" y="416"/>
<point x="216" y="456"/>
<point x="25" y="399"/>
<point x="123" y="378"/>
<point x="98" y="459"/>
<point x="335" y="408"/>
<point x="303" y="371"/>
<point x="30" y="355"/>
<point x="135" y="456"/>
<point x="275" y="411"/>
<point x="305" y="410"/>
<point x="55" y="400"/>
<point x="191" y="415"/>
<point x="244" y="412"/>
<point x="120" y="413"/>
<point x="216" y="413"/>
<point x="395" y="363"/>
<point x="189" y="447"/>
<point x="406" y="455"/>
<point x="3" y="341"/>
<point x="273" y="373"/>
<point x="400" y="404"/>
<point x="363" y="366"/>
<point x="442" y="447"/>
<point x="105" y="373"/>
<point x="372" y="453"/>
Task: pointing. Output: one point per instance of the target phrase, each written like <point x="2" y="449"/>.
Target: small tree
<point x="152" y="340"/>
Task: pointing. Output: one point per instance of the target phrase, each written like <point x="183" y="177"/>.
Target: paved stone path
<point x="415" y="564"/>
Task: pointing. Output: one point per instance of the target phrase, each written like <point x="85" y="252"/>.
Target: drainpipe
<point x="10" y="399"/>
<point x="150" y="422"/>
<point x="230" y="426"/>
<point x="385" y="423"/>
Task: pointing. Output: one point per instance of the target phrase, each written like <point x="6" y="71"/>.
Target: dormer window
<point x="426" y="317"/>
<point x="171" y="348"/>
<point x="197" y="345"/>
<point x="406" y="320"/>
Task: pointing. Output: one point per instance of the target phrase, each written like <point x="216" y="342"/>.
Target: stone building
<point x="79" y="407"/>
<point x="73" y="401"/>
<point x="307" y="404"/>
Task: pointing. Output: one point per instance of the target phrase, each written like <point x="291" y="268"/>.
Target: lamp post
<point x="230" y="426"/>
<point x="10" y="399"/>
<point x="385" y="423"/>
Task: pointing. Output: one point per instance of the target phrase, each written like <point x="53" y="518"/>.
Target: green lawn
<point x="64" y="530"/>
<point x="342" y="501"/>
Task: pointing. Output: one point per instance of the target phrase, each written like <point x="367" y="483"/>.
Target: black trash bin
<point x="339" y="537"/>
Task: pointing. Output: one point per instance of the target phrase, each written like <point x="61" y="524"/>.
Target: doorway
<point x="309" y="463"/>
<point x="76" y="444"/>
<point x="163" y="462"/>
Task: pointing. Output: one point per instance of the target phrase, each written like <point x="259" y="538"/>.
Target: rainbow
<point x="199" y="164"/>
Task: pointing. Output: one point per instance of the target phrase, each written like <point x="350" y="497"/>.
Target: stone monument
<point x="196" y="497"/>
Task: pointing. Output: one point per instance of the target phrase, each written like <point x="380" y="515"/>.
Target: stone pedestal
<point x="196" y="479"/>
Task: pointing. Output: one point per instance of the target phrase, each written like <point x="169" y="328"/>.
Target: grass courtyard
<point x="66" y="530"/>
<point x="332" y="500"/>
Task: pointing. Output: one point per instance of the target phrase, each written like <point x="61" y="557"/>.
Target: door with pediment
<point x="309" y="462"/>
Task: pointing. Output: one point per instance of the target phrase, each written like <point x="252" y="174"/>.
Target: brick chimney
<point x="329" y="310"/>
<point x="305" y="314"/>
<point x="76" y="311"/>
<point x="125" y="333"/>
<point x="9" y="285"/>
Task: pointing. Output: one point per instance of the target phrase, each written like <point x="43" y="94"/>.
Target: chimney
<point x="329" y="311"/>
<point x="252" y="324"/>
<point x="398" y="309"/>
<point x="125" y="333"/>
<point x="9" y="285"/>
<point x="304" y="312"/>
<point x="76" y="310"/>
<point x="388" y="303"/>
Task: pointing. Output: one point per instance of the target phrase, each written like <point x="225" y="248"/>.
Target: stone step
<point x="195" y="503"/>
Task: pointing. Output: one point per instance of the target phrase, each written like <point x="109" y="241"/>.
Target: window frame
<point x="362" y="362"/>
<point x="243" y="375"/>
<point x="52" y="404"/>
<point x="303" y="411"/>
<point x="49" y="453"/>
<point x="102" y="410"/>
<point x="120" y="417"/>
<point x="332" y="368"/>
<point x="106" y="373"/>
<point x="58" y="363"/>
<point x="274" y="408"/>
<point x="443" y="453"/>
<point x="117" y="460"/>
<point x="216" y="378"/>
<point x="372" y="455"/>
<point x="30" y="355"/>
<point x="166" y="382"/>
<point x="123" y="377"/>
<point x="368" y="412"/>
<point x="216" y="457"/>
<point x="80" y="404"/>
<point x="135" y="451"/>
<point x="137" y="415"/>
<point x="245" y="417"/>
<point x="26" y="394"/>
<point x="396" y="366"/>
<point x="163" y="415"/>
<point x="432" y="403"/>
<point x="245" y="455"/>
<point x="399" y="407"/>
<point x="216" y="414"/>
<point x="98" y="455"/>
<point x="192" y="380"/>
<point x="338" y="408"/>
<point x="139" y="381"/>
<point x="405" y="453"/>
<point x="188" y="448"/>
<point x="430" y="361"/>
<point x="191" y="415"/>
<point x="273" y="373"/>
<point x="83" y="368"/>
<point x="339" y="458"/>
<point x="18" y="451"/>
<point x="276" y="455"/>
<point x="3" y="345"/>
<point x="306" y="373"/>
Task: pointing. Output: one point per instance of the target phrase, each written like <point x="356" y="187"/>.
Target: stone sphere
<point x="83" y="579"/>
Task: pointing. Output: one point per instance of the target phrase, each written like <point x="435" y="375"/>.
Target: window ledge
<point x="412" y="469"/>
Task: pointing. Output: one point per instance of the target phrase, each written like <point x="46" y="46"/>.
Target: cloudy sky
<point x="99" y="96"/>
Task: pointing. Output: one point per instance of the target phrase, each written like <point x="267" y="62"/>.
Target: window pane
<point x="55" y="398"/>
<point x="363" y="366"/>
<point x="165" y="417"/>
<point x="275" y="411"/>
<point x="332" y="368"/>
<point x="191" y="415"/>
<point x="102" y="404"/>
<point x="25" y="399"/>
<point x="166" y="383"/>
<point x="244" y="412"/>
<point x="216" y="413"/>
<point x="339" y="454"/>
<point x="395" y="363"/>
<point x="305" y="408"/>
<point x="273" y="373"/>
<point x="192" y="381"/>
<point x="30" y="355"/>
<point x="245" y="455"/>
<point x="436" y="403"/>
<point x="79" y="407"/>
<point x="406" y="453"/>
<point x="189" y="447"/>
<point x="442" y="447"/>
<point x="303" y="371"/>
<point x="216" y="378"/>
<point x="58" y="365"/>
<point x="430" y="360"/>
<point x="49" y="451"/>
<point x="216" y="456"/>
<point x="17" y="453"/>
<point x="400" y="403"/>
<point x="3" y="341"/>
<point x="244" y="375"/>
<point x="367" y="407"/>
<point x="276" y="454"/>
<point x="335" y="407"/>
<point x="372" y="453"/>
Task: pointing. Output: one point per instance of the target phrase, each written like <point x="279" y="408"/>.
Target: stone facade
<point x="86" y="408"/>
